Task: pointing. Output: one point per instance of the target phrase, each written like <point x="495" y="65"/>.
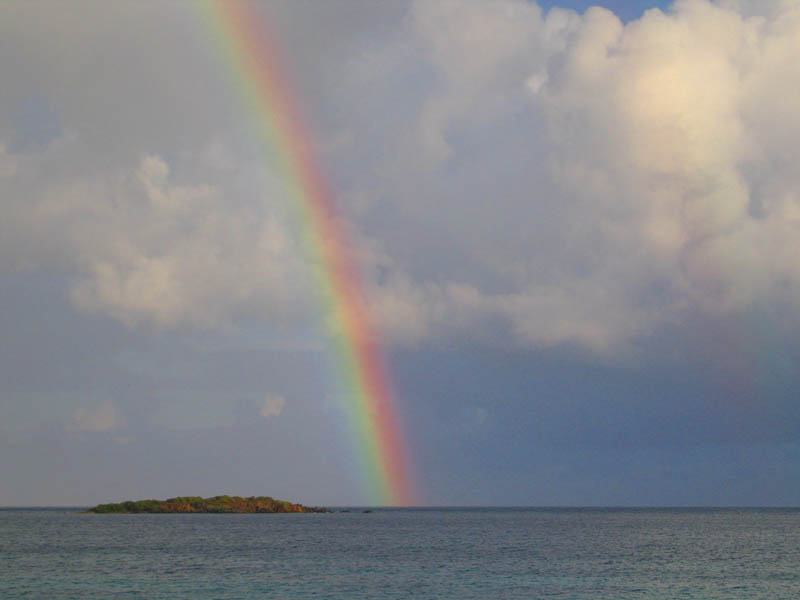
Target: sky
<point x="578" y="229"/>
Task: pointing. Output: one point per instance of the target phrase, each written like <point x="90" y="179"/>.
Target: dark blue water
<point x="481" y="553"/>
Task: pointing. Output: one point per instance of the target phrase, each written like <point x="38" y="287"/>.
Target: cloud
<point x="597" y="181"/>
<point x="101" y="418"/>
<point x="514" y="180"/>
<point x="528" y="177"/>
<point x="193" y="409"/>
<point x="145" y="250"/>
<point x="272" y="406"/>
<point x="8" y="164"/>
<point x="185" y="257"/>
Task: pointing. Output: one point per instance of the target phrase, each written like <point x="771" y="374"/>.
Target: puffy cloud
<point x="143" y="249"/>
<point x="272" y="406"/>
<point x="184" y="256"/>
<point x="101" y="418"/>
<point x="609" y="178"/>
<point x="8" y="164"/>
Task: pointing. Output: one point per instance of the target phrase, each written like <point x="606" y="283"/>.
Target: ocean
<point x="404" y="553"/>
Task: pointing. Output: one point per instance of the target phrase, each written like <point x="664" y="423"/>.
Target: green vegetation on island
<point x="196" y="504"/>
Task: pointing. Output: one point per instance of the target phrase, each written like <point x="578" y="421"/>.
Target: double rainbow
<point x="253" y="59"/>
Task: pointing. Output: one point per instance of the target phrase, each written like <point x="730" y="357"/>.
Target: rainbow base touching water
<point x="252" y="57"/>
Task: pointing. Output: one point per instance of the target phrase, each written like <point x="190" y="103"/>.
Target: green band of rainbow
<point x="254" y="61"/>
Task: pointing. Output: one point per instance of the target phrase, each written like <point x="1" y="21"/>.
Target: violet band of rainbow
<point x="254" y="62"/>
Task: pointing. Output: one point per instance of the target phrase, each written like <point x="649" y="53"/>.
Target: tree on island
<point x="197" y="504"/>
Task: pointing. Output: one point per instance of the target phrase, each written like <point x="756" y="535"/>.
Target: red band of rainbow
<point x="253" y="58"/>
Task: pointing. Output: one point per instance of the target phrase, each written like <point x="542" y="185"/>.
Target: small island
<point x="197" y="504"/>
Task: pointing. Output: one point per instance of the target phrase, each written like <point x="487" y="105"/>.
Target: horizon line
<point x="481" y="506"/>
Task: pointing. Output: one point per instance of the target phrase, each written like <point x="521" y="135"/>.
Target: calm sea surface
<point x="450" y="553"/>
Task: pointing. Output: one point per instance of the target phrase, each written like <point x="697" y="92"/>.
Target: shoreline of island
<point x="197" y="504"/>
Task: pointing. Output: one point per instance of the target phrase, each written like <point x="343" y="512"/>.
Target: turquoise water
<point x="450" y="553"/>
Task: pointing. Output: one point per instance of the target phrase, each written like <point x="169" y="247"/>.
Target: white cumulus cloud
<point x="589" y="181"/>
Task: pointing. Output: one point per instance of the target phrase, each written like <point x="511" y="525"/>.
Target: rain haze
<point x="578" y="229"/>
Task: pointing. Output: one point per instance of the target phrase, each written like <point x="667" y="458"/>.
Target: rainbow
<point x="254" y="61"/>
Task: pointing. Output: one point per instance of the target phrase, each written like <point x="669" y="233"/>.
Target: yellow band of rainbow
<point x="253" y="59"/>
